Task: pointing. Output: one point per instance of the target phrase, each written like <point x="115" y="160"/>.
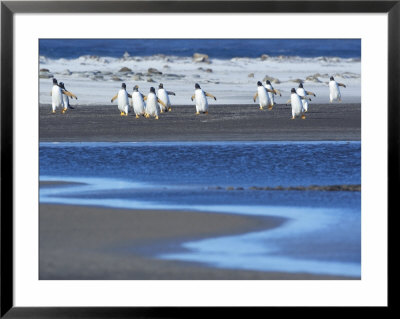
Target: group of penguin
<point x="152" y="104"/>
<point x="298" y="97"/>
<point x="138" y="101"/>
<point x="156" y="103"/>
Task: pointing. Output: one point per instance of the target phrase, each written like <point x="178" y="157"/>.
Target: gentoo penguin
<point x="201" y="99"/>
<point x="297" y="105"/>
<point x="162" y="94"/>
<point x="138" y="104"/>
<point x="302" y="92"/>
<point x="123" y="100"/>
<point x="268" y="86"/>
<point x="334" y="92"/>
<point x="56" y="97"/>
<point x="152" y="101"/>
<point x="66" y="93"/>
<point x="263" y="98"/>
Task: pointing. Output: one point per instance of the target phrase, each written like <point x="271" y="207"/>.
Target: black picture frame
<point x="9" y="8"/>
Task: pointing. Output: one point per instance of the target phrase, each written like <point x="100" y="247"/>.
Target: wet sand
<point x="83" y="243"/>
<point x="328" y="122"/>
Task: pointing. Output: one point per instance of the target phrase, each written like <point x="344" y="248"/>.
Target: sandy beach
<point x="100" y="243"/>
<point x="102" y="123"/>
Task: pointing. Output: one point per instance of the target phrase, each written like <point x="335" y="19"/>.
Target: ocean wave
<point x="172" y="58"/>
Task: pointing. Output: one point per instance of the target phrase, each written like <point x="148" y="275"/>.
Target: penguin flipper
<point x="112" y="100"/>
<point x="170" y="93"/>
<point x="341" y="84"/>
<point x="255" y="97"/>
<point x="161" y="102"/>
<point x="277" y="92"/>
<point x="70" y="94"/>
<point x="310" y="93"/>
<point x="210" y="95"/>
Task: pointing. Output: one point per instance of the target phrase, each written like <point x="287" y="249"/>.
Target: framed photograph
<point x="166" y="158"/>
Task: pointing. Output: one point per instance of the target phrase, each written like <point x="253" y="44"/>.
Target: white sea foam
<point x="95" y="80"/>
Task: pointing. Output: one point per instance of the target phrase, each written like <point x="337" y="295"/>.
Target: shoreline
<point x="237" y="122"/>
<point x="84" y="243"/>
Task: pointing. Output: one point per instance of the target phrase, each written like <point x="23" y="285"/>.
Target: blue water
<point x="322" y="234"/>
<point x="215" y="48"/>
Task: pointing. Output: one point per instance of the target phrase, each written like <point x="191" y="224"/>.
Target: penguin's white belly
<point x="297" y="105"/>
<point x="65" y="100"/>
<point x="263" y="96"/>
<point x="152" y="105"/>
<point x="163" y="96"/>
<point x="201" y="101"/>
<point x="56" y="97"/>
<point x="138" y="103"/>
<point x="123" y="101"/>
<point x="334" y="91"/>
<point x="302" y="92"/>
<point x="270" y="95"/>
<point x="305" y="105"/>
